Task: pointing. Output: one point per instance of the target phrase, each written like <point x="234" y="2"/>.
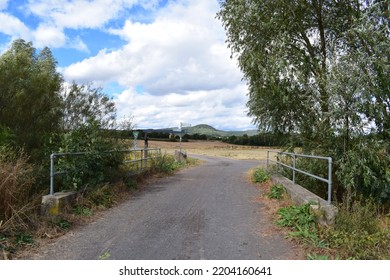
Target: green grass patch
<point x="359" y="232"/>
<point x="260" y="176"/>
<point x="83" y="210"/>
<point x="277" y="192"/>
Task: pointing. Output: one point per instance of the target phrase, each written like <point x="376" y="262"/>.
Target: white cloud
<point x="75" y="14"/>
<point x="49" y="36"/>
<point x="181" y="62"/>
<point x="13" y="27"/>
<point x="222" y="108"/>
<point x="182" y="50"/>
<point x="78" y="44"/>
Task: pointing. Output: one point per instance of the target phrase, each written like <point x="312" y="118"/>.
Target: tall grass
<point x="16" y="182"/>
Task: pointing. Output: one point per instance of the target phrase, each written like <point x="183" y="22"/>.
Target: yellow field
<point x="212" y="148"/>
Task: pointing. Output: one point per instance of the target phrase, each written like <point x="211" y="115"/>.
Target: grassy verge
<point x="361" y="231"/>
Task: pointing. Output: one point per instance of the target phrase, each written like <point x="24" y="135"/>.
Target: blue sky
<point x="162" y="61"/>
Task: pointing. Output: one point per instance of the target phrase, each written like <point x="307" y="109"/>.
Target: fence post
<point x="267" y="159"/>
<point x="52" y="156"/>
<point x="330" y="181"/>
<point x="294" y="165"/>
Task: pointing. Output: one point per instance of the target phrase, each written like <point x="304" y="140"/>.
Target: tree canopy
<point x="36" y="105"/>
<point x="319" y="69"/>
<point x="29" y="95"/>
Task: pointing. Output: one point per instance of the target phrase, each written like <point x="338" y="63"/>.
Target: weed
<point x="293" y="216"/>
<point x="260" y="176"/>
<point x="83" y="211"/>
<point x="103" y="196"/>
<point x="277" y="192"/>
<point x="17" y="180"/>
<point x="358" y="233"/>
<point x="358" y="216"/>
<point x="315" y="256"/>
<point x="62" y="224"/>
<point x="105" y="256"/>
<point x="166" y="164"/>
<point x="303" y="222"/>
<point x="24" y="239"/>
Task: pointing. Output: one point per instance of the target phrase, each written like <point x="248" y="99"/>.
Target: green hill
<point x="211" y="131"/>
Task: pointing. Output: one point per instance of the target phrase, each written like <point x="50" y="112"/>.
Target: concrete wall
<point x="299" y="195"/>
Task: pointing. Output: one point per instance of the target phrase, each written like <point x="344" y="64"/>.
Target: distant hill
<point x="211" y="131"/>
<point x="204" y="129"/>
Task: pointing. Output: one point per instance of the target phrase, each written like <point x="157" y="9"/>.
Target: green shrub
<point x="277" y="192"/>
<point x="95" y="167"/>
<point x="260" y="176"/>
<point x="165" y="164"/>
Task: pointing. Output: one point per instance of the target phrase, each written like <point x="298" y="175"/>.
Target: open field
<point x="212" y="148"/>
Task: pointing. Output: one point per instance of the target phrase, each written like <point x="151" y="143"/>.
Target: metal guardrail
<point x="294" y="169"/>
<point x="144" y="156"/>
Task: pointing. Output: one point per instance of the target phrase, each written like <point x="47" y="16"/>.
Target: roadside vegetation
<point x="361" y="230"/>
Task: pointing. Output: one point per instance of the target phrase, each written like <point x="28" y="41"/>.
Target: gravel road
<point x="206" y="212"/>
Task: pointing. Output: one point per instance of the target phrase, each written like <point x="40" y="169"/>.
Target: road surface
<point x="205" y="212"/>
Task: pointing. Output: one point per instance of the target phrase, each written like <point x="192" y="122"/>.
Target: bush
<point x="93" y="168"/>
<point x="365" y="169"/>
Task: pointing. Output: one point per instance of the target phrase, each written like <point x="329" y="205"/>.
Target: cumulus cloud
<point x="78" y="14"/>
<point x="176" y="67"/>
<point x="222" y="108"/>
<point x="49" y="36"/>
<point x="182" y="50"/>
<point x="13" y="27"/>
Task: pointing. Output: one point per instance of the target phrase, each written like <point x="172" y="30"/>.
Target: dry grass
<point x="213" y="148"/>
<point x="16" y="181"/>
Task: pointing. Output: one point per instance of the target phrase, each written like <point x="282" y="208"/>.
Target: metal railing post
<point x="295" y="169"/>
<point x="330" y="181"/>
<point x="52" y="156"/>
<point x="294" y="165"/>
<point x="267" y="159"/>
